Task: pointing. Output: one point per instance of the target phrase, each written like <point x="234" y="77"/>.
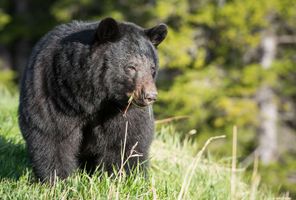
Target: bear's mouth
<point x="138" y="100"/>
<point x="140" y="103"/>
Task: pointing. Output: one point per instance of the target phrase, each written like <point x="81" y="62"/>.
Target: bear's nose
<point x="150" y="97"/>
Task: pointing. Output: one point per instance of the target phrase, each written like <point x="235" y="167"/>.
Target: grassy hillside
<point x="171" y="171"/>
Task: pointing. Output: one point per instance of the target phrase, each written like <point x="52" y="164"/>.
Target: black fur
<point x="75" y="89"/>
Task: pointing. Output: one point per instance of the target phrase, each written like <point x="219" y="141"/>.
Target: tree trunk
<point x="21" y="47"/>
<point x="268" y="111"/>
<point x="21" y="54"/>
<point x="221" y="3"/>
<point x="5" y="58"/>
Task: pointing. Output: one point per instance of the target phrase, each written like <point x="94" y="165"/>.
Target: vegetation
<point x="216" y="70"/>
<point x="170" y="162"/>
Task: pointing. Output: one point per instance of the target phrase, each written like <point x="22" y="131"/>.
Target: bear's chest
<point x="109" y="133"/>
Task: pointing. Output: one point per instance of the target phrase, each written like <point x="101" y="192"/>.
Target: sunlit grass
<point x="169" y="164"/>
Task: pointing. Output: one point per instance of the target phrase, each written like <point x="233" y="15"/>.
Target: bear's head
<point x="130" y="61"/>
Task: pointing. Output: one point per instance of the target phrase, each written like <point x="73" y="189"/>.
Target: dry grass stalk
<point x="111" y="191"/>
<point x="255" y="177"/>
<point x="122" y="157"/>
<point x="153" y="188"/>
<point x="130" y="100"/>
<point x="120" y="172"/>
<point x="190" y="172"/>
<point x="170" y="119"/>
<point x="233" y="166"/>
<point x="285" y="197"/>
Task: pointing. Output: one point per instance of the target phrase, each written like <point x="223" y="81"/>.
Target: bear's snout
<point x="150" y="97"/>
<point x="148" y="94"/>
<point x="149" y="91"/>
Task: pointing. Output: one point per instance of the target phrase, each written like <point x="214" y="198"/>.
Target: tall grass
<point x="176" y="171"/>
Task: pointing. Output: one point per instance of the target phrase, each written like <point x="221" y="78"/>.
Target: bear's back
<point x="75" y="31"/>
<point x="37" y="81"/>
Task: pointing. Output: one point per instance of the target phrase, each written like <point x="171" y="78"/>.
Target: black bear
<point x="75" y="92"/>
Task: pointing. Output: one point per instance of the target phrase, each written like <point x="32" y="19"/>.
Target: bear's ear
<point x="157" y="34"/>
<point x="107" y="31"/>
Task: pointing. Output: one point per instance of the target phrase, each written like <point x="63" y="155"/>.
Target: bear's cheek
<point x="137" y="91"/>
<point x="133" y="89"/>
<point x="131" y="83"/>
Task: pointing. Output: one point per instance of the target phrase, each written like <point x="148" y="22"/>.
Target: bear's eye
<point x="131" y="68"/>
<point x="153" y="71"/>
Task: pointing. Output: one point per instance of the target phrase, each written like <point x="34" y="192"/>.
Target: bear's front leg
<point x="52" y="156"/>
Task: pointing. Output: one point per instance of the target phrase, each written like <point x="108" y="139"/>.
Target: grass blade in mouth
<point x="130" y="100"/>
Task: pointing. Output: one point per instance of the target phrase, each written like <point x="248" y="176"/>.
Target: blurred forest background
<point x="224" y="63"/>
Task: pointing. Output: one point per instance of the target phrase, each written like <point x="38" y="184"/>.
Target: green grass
<point x="170" y="161"/>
